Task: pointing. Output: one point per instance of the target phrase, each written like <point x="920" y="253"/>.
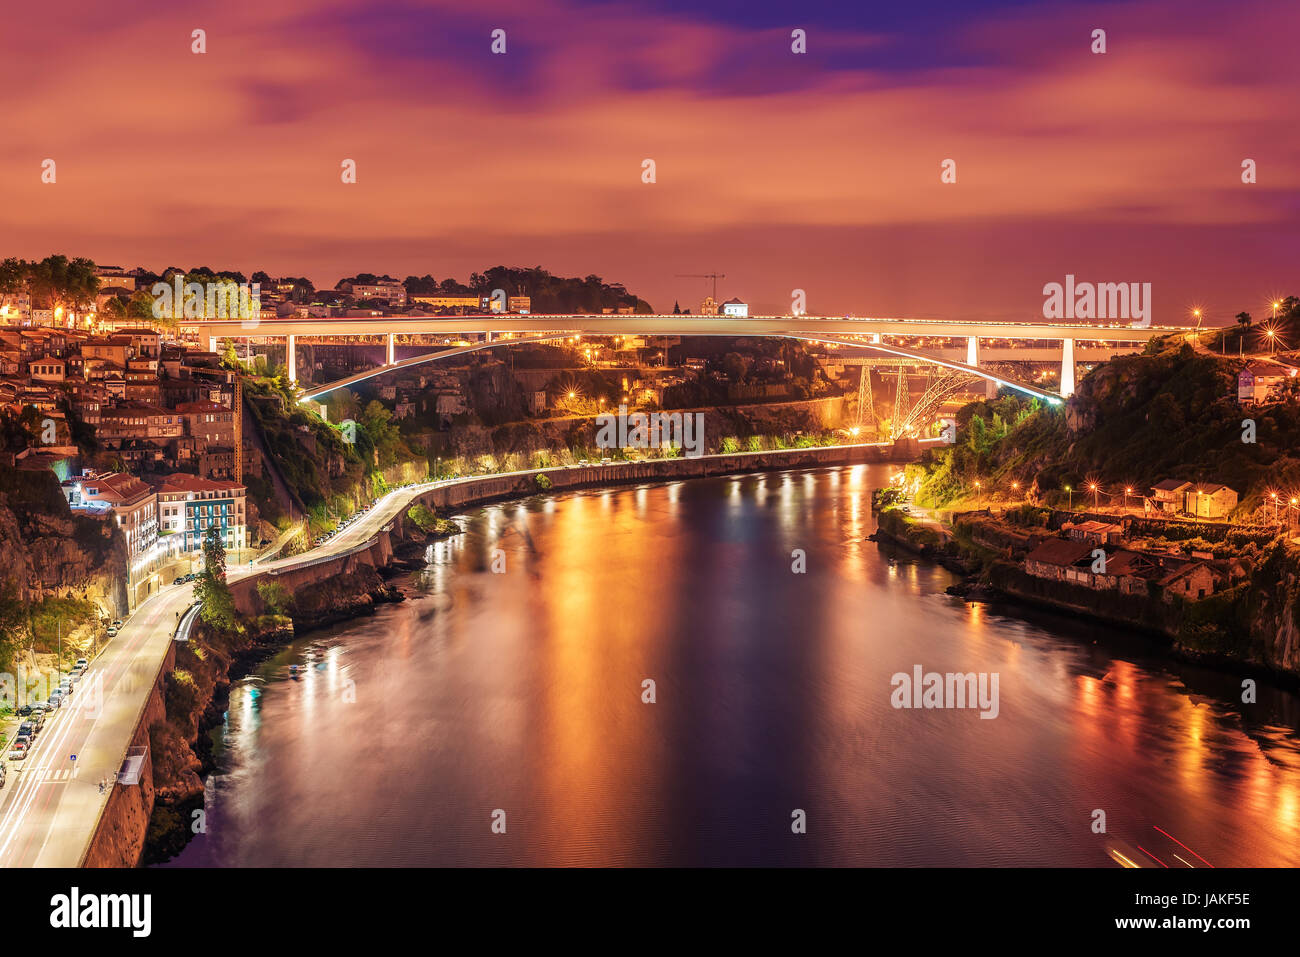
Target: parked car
<point x="27" y="729"/>
<point x="18" y="750"/>
<point x="112" y="632"/>
<point x="38" y="719"/>
<point x="56" y="700"/>
<point x="4" y="769"/>
<point x="25" y="710"/>
<point x="83" y="664"/>
<point x="117" y="622"/>
<point x="178" y="581"/>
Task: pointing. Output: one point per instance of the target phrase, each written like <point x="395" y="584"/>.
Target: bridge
<point x="878" y="335"/>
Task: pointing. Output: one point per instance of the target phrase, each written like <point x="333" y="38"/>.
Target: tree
<point x="1243" y="318"/>
<point x="211" y="588"/>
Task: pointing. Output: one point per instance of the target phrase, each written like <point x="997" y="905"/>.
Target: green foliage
<point x="544" y="482"/>
<point x="275" y="597"/>
<point x="428" y="521"/>
<point x="210" y="587"/>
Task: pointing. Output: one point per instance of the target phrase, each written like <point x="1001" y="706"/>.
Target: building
<point x="208" y="423"/>
<point x="48" y="370"/>
<point x="1203" y="499"/>
<point x="736" y="309"/>
<point x="1208" y="500"/>
<point x="1095" y="533"/>
<point x="136" y="420"/>
<point x="452" y="301"/>
<point x="1170" y="495"/>
<point x="708" y="307"/>
<point x="188" y="506"/>
<point x="1192" y="581"/>
<point x="132" y="502"/>
<point x="1261" y="380"/>
<point x="394" y="293"/>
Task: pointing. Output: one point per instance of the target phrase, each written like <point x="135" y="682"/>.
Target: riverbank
<point x="1215" y="632"/>
<point x="211" y="662"/>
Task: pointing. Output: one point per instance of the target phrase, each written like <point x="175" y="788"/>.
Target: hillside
<point x="1134" y="421"/>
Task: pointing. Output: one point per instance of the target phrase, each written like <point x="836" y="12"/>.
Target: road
<point x="51" y="803"/>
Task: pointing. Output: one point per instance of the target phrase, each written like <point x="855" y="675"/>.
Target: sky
<point x="817" y="171"/>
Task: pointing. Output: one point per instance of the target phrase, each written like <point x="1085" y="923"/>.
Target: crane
<point x="715" y="276"/>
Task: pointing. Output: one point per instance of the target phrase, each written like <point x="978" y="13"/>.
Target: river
<point x="516" y="697"/>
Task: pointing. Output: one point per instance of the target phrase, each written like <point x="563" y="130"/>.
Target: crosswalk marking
<point x="50" y="774"/>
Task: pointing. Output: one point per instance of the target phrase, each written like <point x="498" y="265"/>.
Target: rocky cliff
<point x="48" y="551"/>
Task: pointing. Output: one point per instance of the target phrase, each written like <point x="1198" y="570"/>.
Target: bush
<point x="544" y="482"/>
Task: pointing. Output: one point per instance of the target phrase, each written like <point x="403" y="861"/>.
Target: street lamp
<point x="1273" y="496"/>
<point x="1128" y="490"/>
<point x="1093" y="487"/>
<point x="1272" y="334"/>
<point x="977" y="492"/>
<point x="1275" y="305"/>
<point x="1070" y="492"/>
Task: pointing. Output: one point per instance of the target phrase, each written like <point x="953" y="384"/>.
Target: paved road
<point x="51" y="803"/>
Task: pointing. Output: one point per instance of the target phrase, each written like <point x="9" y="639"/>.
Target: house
<point x="1194" y="580"/>
<point x="1170" y="495"/>
<point x="735" y="308"/>
<point x="1059" y="559"/>
<point x="1208" y="500"/>
<point x="1261" y="380"/>
<point x="48" y="370"/>
<point x="1096" y="533"/>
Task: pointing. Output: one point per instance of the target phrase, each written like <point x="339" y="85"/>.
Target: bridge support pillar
<point x="1067" y="368"/>
<point x="392" y="347"/>
<point x="291" y="358"/>
<point x="973" y="350"/>
<point x="212" y="343"/>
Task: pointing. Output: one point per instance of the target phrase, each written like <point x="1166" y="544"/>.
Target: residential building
<point x="48" y="370"/>
<point x="735" y="308"/>
<point x="1208" y="500"/>
<point x="189" y="505"/>
<point x="393" y="293"/>
<point x="131" y="501"/>
<point x="1170" y="495"/>
<point x="1261" y="380"/>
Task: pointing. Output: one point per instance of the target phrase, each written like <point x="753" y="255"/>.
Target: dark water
<point x="522" y="692"/>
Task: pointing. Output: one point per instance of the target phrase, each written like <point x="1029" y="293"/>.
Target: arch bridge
<point x="877" y="335"/>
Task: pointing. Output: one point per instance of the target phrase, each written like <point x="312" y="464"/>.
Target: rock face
<point x="46" y="550"/>
<point x="771" y="418"/>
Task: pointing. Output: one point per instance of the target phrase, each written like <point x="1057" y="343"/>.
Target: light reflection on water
<point x="398" y="735"/>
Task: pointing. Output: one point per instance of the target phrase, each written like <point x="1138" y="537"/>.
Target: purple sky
<point x="818" y="171"/>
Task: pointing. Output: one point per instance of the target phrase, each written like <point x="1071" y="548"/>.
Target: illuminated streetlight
<point x="1093" y="487"/>
<point x="1070" y="492"/>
